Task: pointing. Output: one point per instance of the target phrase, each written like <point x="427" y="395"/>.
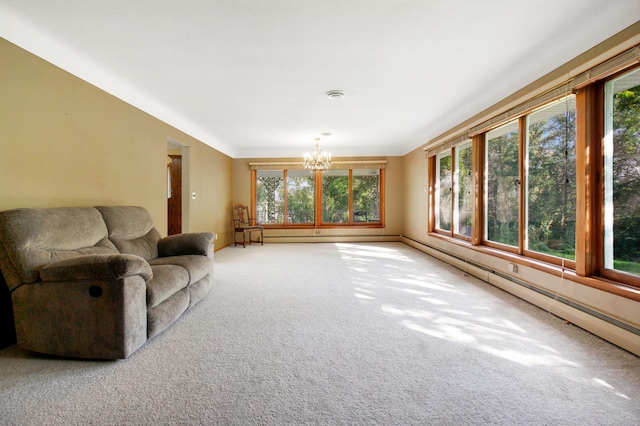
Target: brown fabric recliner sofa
<point x="98" y="282"/>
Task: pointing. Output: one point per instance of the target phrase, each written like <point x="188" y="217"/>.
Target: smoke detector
<point x="335" y="94"/>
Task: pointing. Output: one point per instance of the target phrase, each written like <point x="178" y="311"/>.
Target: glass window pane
<point x="270" y="196"/>
<point x="300" y="196"/>
<point x="335" y="196"/>
<point x="444" y="188"/>
<point x="366" y="195"/>
<point x="622" y="173"/>
<point x="464" y="189"/>
<point x="551" y="179"/>
<point x="502" y="185"/>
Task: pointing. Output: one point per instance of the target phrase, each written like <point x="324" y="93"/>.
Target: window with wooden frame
<point x="337" y="197"/>
<point x="351" y="197"/>
<point x="444" y="192"/>
<point x="557" y="179"/>
<point x="528" y="189"/>
<point x="620" y="195"/>
<point x="550" y="182"/>
<point x="454" y="191"/>
<point x="502" y="187"/>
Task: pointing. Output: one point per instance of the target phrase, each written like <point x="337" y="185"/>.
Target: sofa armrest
<point x="190" y="243"/>
<point x="96" y="267"/>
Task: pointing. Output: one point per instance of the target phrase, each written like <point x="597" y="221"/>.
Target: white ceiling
<point x="249" y="77"/>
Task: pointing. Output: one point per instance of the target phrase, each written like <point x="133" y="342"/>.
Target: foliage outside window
<point x="622" y="174"/>
<point x="530" y="203"/>
<point x="444" y="190"/>
<point x="277" y="206"/>
<point x="345" y="197"/>
<point x="502" y="185"/>
<point x="551" y="179"/>
<point x="351" y="196"/>
<point x="454" y="191"/>
<point x="300" y="196"/>
<point x="464" y="190"/>
<point x="335" y="196"/>
<point x="366" y="195"/>
<point x="270" y="196"/>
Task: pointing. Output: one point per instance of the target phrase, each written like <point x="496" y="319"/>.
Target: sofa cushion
<point x="197" y="266"/>
<point x="167" y="280"/>
<point x="32" y="238"/>
<point x="131" y="230"/>
<point x="163" y="315"/>
<point x="198" y="290"/>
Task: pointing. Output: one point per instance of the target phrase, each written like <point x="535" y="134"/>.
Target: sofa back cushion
<point x="32" y="238"/>
<point x="131" y="230"/>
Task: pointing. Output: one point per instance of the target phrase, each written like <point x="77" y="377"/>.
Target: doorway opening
<point x="174" y="197"/>
<point x="178" y="200"/>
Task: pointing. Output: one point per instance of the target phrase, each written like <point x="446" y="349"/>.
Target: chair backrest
<point x="241" y="216"/>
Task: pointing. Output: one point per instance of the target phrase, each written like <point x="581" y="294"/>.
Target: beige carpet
<point x="339" y="334"/>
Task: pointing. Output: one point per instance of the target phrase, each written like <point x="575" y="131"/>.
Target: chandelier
<point x="318" y="160"/>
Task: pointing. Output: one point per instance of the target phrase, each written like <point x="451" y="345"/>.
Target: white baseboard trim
<point x="620" y="334"/>
<point x="332" y="239"/>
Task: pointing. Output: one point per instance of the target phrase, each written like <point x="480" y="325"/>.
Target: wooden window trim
<point x="609" y="285"/>
<point x="588" y="267"/>
<point x="254" y="193"/>
<point x="431" y="196"/>
<point x="589" y="163"/>
<point x="436" y="184"/>
<point x="522" y="202"/>
<point x="597" y="129"/>
<point x="318" y="204"/>
<point x="477" y="232"/>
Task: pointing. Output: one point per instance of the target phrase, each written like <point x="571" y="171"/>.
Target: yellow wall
<point x="414" y="166"/>
<point x="67" y="143"/>
<point x="394" y="201"/>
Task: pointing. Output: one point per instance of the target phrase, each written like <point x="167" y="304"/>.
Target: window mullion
<point x="350" y="212"/>
<point x="431" y="196"/>
<point x="478" y="209"/>
<point x="453" y="190"/>
<point x="522" y="133"/>
<point x="254" y="194"/>
<point x="284" y="197"/>
<point x="381" y="203"/>
<point x="318" y="194"/>
<point x="589" y="166"/>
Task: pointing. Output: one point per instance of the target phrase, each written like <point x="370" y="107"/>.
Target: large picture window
<point x="285" y="197"/>
<point x="551" y="179"/>
<point x="502" y="185"/>
<point x="552" y="183"/>
<point x="336" y="197"/>
<point x="537" y="218"/>
<point x="444" y="191"/>
<point x="454" y="191"/>
<point x="351" y="196"/>
<point x="270" y="196"/>
<point x="464" y="189"/>
<point x="366" y="195"/>
<point x="300" y="196"/>
<point x="622" y="174"/>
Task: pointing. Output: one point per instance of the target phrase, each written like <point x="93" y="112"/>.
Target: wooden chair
<point x="244" y="224"/>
